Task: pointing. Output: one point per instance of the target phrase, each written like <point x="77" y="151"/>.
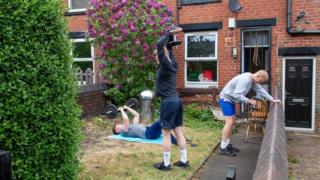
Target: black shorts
<point x="171" y="113"/>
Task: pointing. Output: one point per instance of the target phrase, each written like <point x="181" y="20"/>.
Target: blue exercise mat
<point x="140" y="140"/>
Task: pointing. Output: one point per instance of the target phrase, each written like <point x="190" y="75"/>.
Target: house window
<point x="83" y="54"/>
<point x="78" y="5"/>
<point x="201" y="59"/>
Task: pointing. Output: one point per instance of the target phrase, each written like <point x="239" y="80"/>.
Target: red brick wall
<point x="213" y="12"/>
<point x="92" y="103"/>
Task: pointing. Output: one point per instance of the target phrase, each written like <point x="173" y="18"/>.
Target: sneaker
<point x="162" y="167"/>
<point x="226" y="152"/>
<point x="230" y="147"/>
<point x="181" y="164"/>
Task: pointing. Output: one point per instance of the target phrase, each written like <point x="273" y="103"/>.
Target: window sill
<point x="75" y="12"/>
<point x="193" y="91"/>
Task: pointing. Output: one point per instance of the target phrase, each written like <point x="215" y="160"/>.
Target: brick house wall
<point x="274" y="12"/>
<point x="262" y="9"/>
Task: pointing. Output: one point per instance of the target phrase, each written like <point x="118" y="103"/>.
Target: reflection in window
<point x="201" y="46"/>
<point x="82" y="50"/>
<point x="202" y="71"/>
<point x="82" y="54"/>
<point x="78" y="4"/>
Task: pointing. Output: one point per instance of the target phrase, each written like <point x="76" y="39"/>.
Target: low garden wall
<point x="273" y="159"/>
<point x="92" y="100"/>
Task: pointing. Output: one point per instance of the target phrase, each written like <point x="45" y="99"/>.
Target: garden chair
<point x="257" y="115"/>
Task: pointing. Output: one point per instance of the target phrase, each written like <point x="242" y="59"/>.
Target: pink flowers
<point x="126" y="33"/>
<point x="125" y="59"/>
<point x="102" y="66"/>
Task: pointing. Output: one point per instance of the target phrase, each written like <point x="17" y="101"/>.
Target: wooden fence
<point x="88" y="80"/>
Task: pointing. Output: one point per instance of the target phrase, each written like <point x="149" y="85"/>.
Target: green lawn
<point x="103" y="158"/>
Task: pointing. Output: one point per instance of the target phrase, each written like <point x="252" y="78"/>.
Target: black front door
<point x="298" y="93"/>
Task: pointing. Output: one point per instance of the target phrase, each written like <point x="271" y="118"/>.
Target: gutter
<point x="296" y="32"/>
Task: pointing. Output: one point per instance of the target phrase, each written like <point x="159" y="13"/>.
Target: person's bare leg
<point x="226" y="134"/>
<point x="180" y="137"/>
<point x="166" y="145"/>
<point x="183" y="147"/>
<point x="227" y="129"/>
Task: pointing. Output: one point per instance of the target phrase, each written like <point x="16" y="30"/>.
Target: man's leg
<point x="227" y="131"/>
<point x="183" y="148"/>
<point x="166" y="145"/>
<point x="154" y="131"/>
<point x="167" y="110"/>
<point x="228" y="110"/>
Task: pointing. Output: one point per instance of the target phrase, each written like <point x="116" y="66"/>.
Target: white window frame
<point x="75" y="10"/>
<point x="85" y="59"/>
<point x="190" y="84"/>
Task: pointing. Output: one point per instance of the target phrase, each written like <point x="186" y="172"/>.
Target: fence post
<point x="5" y="165"/>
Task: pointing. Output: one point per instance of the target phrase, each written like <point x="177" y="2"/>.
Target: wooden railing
<point x="90" y="81"/>
<point x="272" y="162"/>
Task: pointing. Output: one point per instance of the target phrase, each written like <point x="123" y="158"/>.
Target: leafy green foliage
<point x="196" y="116"/>
<point x="39" y="117"/>
<point x="126" y="33"/>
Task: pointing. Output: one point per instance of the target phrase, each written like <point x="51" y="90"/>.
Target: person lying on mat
<point x="136" y="129"/>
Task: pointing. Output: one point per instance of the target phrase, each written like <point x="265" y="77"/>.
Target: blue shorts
<point x="228" y="108"/>
<point x="171" y="112"/>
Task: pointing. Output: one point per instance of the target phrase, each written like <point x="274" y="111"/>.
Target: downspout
<point x="177" y="10"/>
<point x="296" y="32"/>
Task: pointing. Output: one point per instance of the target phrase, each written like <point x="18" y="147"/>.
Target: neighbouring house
<point x="223" y="38"/>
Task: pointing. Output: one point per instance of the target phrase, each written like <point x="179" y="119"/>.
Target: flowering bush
<point x="126" y="32"/>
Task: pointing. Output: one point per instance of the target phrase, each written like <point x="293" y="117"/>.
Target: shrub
<point x="39" y="118"/>
<point x="126" y="32"/>
<point x="197" y="116"/>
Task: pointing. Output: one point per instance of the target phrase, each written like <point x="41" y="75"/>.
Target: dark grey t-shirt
<point x="135" y="130"/>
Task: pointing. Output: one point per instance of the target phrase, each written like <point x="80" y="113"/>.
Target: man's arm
<point x="162" y="42"/>
<point x="125" y="119"/>
<point x="239" y="91"/>
<point x="136" y="116"/>
<point x="259" y="90"/>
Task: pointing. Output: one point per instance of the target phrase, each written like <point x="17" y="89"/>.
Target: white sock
<point x="228" y="141"/>
<point x="224" y="144"/>
<point x="166" y="158"/>
<point x="183" y="154"/>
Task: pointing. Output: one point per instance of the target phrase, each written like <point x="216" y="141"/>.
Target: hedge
<point x="39" y="117"/>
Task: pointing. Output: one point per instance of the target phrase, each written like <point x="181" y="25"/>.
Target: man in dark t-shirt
<point x="171" y="106"/>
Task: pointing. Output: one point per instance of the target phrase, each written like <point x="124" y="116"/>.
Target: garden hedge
<point x="39" y="117"/>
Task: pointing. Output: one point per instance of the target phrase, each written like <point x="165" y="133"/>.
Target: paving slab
<point x="216" y="167"/>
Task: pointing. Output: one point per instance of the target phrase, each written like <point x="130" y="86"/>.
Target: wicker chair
<point x="257" y="115"/>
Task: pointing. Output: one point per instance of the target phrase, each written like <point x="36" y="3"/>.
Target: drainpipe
<point x="177" y="10"/>
<point x="296" y="32"/>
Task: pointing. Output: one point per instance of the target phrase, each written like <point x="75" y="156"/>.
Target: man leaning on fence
<point x="235" y="91"/>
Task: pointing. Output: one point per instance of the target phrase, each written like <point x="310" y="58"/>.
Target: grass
<point x="292" y="160"/>
<point x="102" y="158"/>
